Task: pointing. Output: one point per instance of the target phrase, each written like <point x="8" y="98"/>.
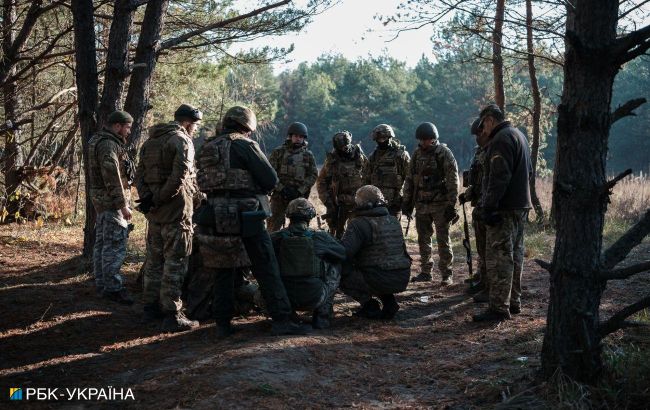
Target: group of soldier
<point x="212" y="211"/>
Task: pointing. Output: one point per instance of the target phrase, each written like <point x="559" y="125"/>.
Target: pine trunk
<point x="497" y="58"/>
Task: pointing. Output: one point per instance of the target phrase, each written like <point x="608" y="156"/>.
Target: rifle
<point x="408" y="225"/>
<point x="468" y="247"/>
<point x="334" y="187"/>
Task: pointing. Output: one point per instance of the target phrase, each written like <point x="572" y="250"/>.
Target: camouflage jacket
<point x="476" y="170"/>
<point x="108" y="164"/>
<point x="296" y="167"/>
<point x="341" y="176"/>
<point x="166" y="172"/>
<point x="387" y="170"/>
<point x="432" y="179"/>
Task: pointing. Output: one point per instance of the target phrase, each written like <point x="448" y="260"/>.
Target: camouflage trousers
<point x="278" y="211"/>
<point x="479" y="234"/>
<point x="168" y="249"/>
<point x="504" y="259"/>
<point x="336" y="222"/>
<point x="331" y="281"/>
<point x="110" y="250"/>
<point x="424" y="224"/>
<point x="361" y="285"/>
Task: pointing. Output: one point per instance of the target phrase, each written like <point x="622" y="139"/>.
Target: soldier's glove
<point x="451" y="215"/>
<point x="289" y="193"/>
<point x="491" y="217"/>
<point x="145" y="204"/>
<point x="462" y="198"/>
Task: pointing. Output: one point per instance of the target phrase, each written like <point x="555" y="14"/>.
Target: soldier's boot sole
<point x="491" y="316"/>
<point x="422" y="277"/>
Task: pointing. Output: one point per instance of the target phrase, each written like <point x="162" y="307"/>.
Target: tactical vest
<point x="157" y="168"/>
<point x="348" y="175"/>
<point x="293" y="165"/>
<point x="124" y="161"/>
<point x="429" y="173"/>
<point x="383" y="171"/>
<point x="297" y="257"/>
<point x="214" y="172"/>
<point x="476" y="174"/>
<point x="387" y="250"/>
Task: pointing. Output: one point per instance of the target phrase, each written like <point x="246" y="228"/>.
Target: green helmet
<point x="119" y="117"/>
<point x="369" y="196"/>
<point x="382" y="130"/>
<point x="426" y="131"/>
<point x="189" y="112"/>
<point x="300" y="208"/>
<point x="474" y="128"/>
<point x="243" y="116"/>
<point x="341" y="139"/>
<point x="298" y="128"/>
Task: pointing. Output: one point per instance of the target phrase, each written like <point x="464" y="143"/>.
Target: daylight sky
<point x="348" y="28"/>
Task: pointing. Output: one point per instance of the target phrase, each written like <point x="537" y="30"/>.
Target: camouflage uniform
<point x="387" y="170"/>
<point x="473" y="195"/>
<point x="110" y="171"/>
<point x="432" y="187"/>
<point x="296" y="168"/>
<point x="342" y="175"/>
<point x="165" y="173"/>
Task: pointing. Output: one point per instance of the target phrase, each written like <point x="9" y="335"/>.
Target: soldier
<point x="166" y="184"/>
<point x="236" y="177"/>
<point x="388" y="167"/>
<point x="473" y="195"/>
<point x="340" y="177"/>
<point x="310" y="263"/>
<point x="431" y="187"/>
<point x="377" y="261"/>
<point x="505" y="201"/>
<point x="111" y="173"/>
<point x="296" y="168"/>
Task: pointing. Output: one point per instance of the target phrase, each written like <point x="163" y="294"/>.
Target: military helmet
<point x="369" y="196"/>
<point x="383" y="130"/>
<point x="243" y="116"/>
<point x="474" y="128"/>
<point x="298" y="128"/>
<point x="426" y="131"/>
<point x="300" y="208"/>
<point x="341" y="139"/>
<point x="189" y="112"/>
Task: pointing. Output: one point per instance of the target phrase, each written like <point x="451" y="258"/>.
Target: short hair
<point x="493" y="111"/>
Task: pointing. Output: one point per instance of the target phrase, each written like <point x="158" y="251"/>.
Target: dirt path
<point x="55" y="332"/>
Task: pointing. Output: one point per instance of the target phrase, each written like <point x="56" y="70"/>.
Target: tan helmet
<point x="300" y="208"/>
<point x="243" y="116"/>
<point x="369" y="196"/>
<point x="383" y="130"/>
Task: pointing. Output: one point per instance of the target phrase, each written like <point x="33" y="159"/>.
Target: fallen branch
<point x="617" y="321"/>
<point x="630" y="239"/>
<point x="626" y="272"/>
<point x="627" y="109"/>
<point x="546" y="265"/>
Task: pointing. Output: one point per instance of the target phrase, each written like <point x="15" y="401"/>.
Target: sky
<point x="348" y="28"/>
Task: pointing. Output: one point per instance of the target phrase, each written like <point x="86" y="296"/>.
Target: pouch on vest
<point x="297" y="257"/>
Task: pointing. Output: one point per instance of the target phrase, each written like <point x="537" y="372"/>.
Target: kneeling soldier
<point x="310" y="263"/>
<point x="378" y="262"/>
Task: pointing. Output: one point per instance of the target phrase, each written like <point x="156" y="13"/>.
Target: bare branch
<point x="223" y="23"/>
<point x="622" y="247"/>
<point x="626" y="272"/>
<point x="617" y="321"/>
<point x="627" y="109"/>
<point x="632" y="45"/>
<point x="609" y="185"/>
<point x="543" y="264"/>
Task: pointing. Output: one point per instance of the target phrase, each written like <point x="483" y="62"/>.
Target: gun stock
<point x="468" y="247"/>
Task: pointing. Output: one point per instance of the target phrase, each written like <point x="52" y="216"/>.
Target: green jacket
<point x="107" y="163"/>
<point x="296" y="167"/>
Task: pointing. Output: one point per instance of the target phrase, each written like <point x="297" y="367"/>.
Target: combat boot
<point x="390" y="306"/>
<point x="121" y="296"/>
<point x="475" y="288"/>
<point x="447" y="280"/>
<point x="422" y="277"/>
<point x="320" y="321"/>
<point x="177" y="322"/>
<point x="287" y="327"/>
<point x="515" y="309"/>
<point x="482" y="297"/>
<point x="491" y="316"/>
<point x="369" y="310"/>
<point x="224" y="330"/>
<point x="152" y="313"/>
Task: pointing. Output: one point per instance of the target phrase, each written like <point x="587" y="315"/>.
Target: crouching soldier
<point x="310" y="263"/>
<point x="378" y="264"/>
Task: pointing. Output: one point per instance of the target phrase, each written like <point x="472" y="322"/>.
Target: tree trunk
<point x="87" y="92"/>
<point x="146" y="54"/>
<point x="117" y="60"/>
<point x="497" y="59"/>
<point x="571" y="340"/>
<point x="537" y="110"/>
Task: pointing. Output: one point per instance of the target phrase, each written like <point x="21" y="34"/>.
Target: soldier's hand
<point x="462" y="198"/>
<point x="126" y="213"/>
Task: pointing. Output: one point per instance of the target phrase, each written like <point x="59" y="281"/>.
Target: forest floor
<point x="56" y="332"/>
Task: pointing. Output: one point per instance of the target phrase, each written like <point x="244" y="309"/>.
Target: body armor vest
<point x="348" y="175"/>
<point x="297" y="257"/>
<point x="157" y="168"/>
<point x="214" y="172"/>
<point x="387" y="250"/>
<point x="476" y="174"/>
<point x="293" y="165"/>
<point x="429" y="173"/>
<point x="383" y="172"/>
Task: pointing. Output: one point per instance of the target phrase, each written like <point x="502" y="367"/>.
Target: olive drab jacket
<point x="109" y="166"/>
<point x="296" y="167"/>
<point x="432" y="179"/>
<point x="476" y="171"/>
<point x="387" y="169"/>
<point x="166" y="172"/>
<point x="341" y="176"/>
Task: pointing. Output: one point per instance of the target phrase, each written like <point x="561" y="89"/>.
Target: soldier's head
<point x="240" y="119"/>
<point x="426" y="134"/>
<point x="188" y="117"/>
<point x="477" y="131"/>
<point x="491" y="116"/>
<point x="300" y="210"/>
<point x="120" y="122"/>
<point x="297" y="133"/>
<point x="382" y="134"/>
<point x="342" y="142"/>
<point x="368" y="197"/>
